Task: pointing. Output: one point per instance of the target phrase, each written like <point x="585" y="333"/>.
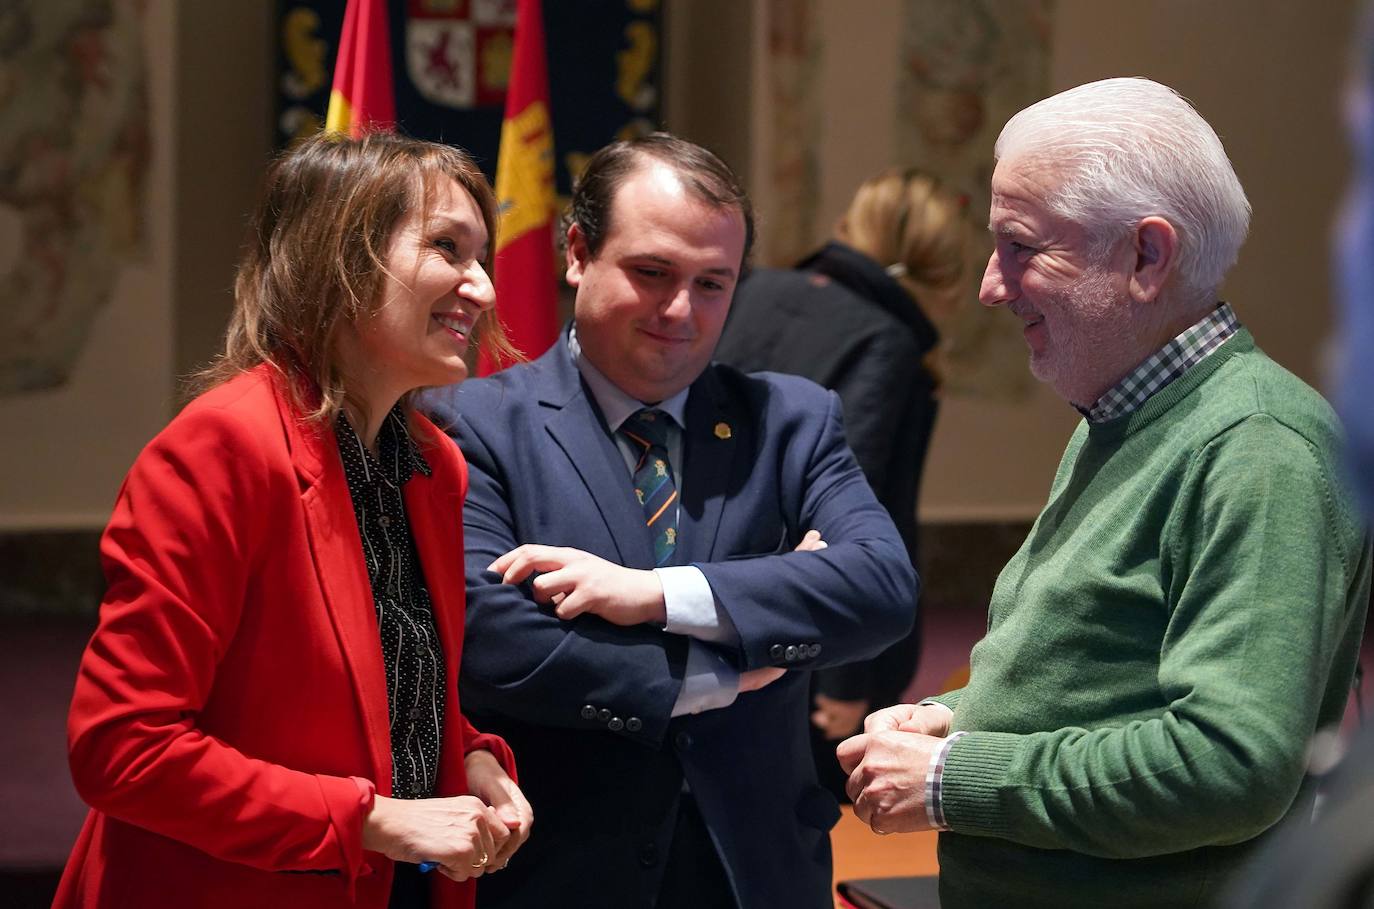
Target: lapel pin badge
<point x="722" y="431"/>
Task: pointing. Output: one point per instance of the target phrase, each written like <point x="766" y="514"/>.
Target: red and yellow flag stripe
<point x="362" y="99"/>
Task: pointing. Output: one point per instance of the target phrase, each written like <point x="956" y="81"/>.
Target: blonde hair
<point x="906" y="218"/>
<point x="315" y="258"/>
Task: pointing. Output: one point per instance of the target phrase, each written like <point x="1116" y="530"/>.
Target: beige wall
<point x="224" y="140"/>
<point x="211" y="133"/>
<point x="67" y="449"/>
<point x="707" y="98"/>
<point x="1265" y="73"/>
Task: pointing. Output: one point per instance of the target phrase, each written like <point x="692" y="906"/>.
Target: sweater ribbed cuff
<point x="950" y="699"/>
<point x="975" y="772"/>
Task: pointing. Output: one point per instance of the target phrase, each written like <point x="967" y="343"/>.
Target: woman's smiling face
<point x="431" y="295"/>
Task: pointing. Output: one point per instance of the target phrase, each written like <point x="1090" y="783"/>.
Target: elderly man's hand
<point x="927" y="719"/>
<point x="887" y="778"/>
<point x="577" y="582"/>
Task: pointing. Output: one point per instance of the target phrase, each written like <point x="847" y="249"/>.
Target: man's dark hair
<point x="708" y="178"/>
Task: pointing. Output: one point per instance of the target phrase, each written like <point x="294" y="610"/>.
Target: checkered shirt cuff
<point x="935" y="772"/>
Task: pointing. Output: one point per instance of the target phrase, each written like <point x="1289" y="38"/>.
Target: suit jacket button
<point x="683" y="740"/>
<point x="791" y="653"/>
<point x="634" y="724"/>
<point x="648" y="855"/>
<point x="775" y="651"/>
<point x="616" y="724"/>
<point x="603" y="715"/>
<point x="815" y="650"/>
<point x="588" y="712"/>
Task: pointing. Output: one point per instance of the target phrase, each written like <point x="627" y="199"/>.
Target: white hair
<point x="1131" y="148"/>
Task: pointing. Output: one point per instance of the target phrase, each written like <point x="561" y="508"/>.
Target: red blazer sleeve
<point x="179" y="552"/>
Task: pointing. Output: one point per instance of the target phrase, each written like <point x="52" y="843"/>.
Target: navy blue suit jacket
<point x="586" y="704"/>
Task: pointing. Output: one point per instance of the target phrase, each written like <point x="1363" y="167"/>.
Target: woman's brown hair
<point x="315" y="257"/>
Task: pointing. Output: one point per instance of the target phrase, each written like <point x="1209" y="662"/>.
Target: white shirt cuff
<point x="691" y="607"/>
<point x="708" y="683"/>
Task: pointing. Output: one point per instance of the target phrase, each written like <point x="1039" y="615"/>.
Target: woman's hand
<point x="488" y="780"/>
<point x="461" y="834"/>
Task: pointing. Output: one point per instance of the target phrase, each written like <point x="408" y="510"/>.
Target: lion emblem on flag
<point x="458" y="52"/>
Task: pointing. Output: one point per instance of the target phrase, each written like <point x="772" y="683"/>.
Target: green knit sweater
<point x="1186" y="611"/>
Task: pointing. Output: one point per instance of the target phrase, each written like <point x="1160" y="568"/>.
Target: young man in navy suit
<point x="659" y="550"/>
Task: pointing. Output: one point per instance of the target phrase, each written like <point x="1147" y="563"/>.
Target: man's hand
<point x="754" y="679"/>
<point x="461" y="834"/>
<point x="577" y="582"/>
<point x="838" y="719"/>
<point x="488" y="780"/>
<point x="887" y="778"/>
<point x="927" y="719"/>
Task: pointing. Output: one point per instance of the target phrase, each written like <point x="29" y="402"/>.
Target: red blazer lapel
<point x="434" y="508"/>
<point x="338" y="560"/>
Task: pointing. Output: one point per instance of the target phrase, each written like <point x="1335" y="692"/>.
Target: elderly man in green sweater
<point x="1187" y="610"/>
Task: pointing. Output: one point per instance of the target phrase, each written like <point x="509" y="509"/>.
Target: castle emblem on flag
<point x="458" y="52"/>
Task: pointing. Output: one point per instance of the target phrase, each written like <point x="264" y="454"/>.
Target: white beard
<point x="1091" y="342"/>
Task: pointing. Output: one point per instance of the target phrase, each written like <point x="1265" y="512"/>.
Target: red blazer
<point x="229" y="726"/>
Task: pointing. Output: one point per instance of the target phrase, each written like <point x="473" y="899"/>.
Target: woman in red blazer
<point x="234" y="721"/>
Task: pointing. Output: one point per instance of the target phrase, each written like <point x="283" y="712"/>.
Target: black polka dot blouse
<point x="411" y="649"/>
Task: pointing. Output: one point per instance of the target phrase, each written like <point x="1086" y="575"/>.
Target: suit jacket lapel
<point x="710" y="444"/>
<point x="577" y="426"/>
<point x="337" y="553"/>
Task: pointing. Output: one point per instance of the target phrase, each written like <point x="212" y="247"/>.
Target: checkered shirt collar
<point x="1168" y="363"/>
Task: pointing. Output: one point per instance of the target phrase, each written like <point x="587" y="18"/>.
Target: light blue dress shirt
<point x="710" y="681"/>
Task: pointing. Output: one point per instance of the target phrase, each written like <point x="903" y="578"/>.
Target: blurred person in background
<point x="859" y="316"/>
<point x="1325" y="860"/>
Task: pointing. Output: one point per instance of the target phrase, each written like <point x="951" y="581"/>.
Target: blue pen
<point x="427" y="867"/>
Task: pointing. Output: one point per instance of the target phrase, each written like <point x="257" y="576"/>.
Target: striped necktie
<point x="653" y="478"/>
